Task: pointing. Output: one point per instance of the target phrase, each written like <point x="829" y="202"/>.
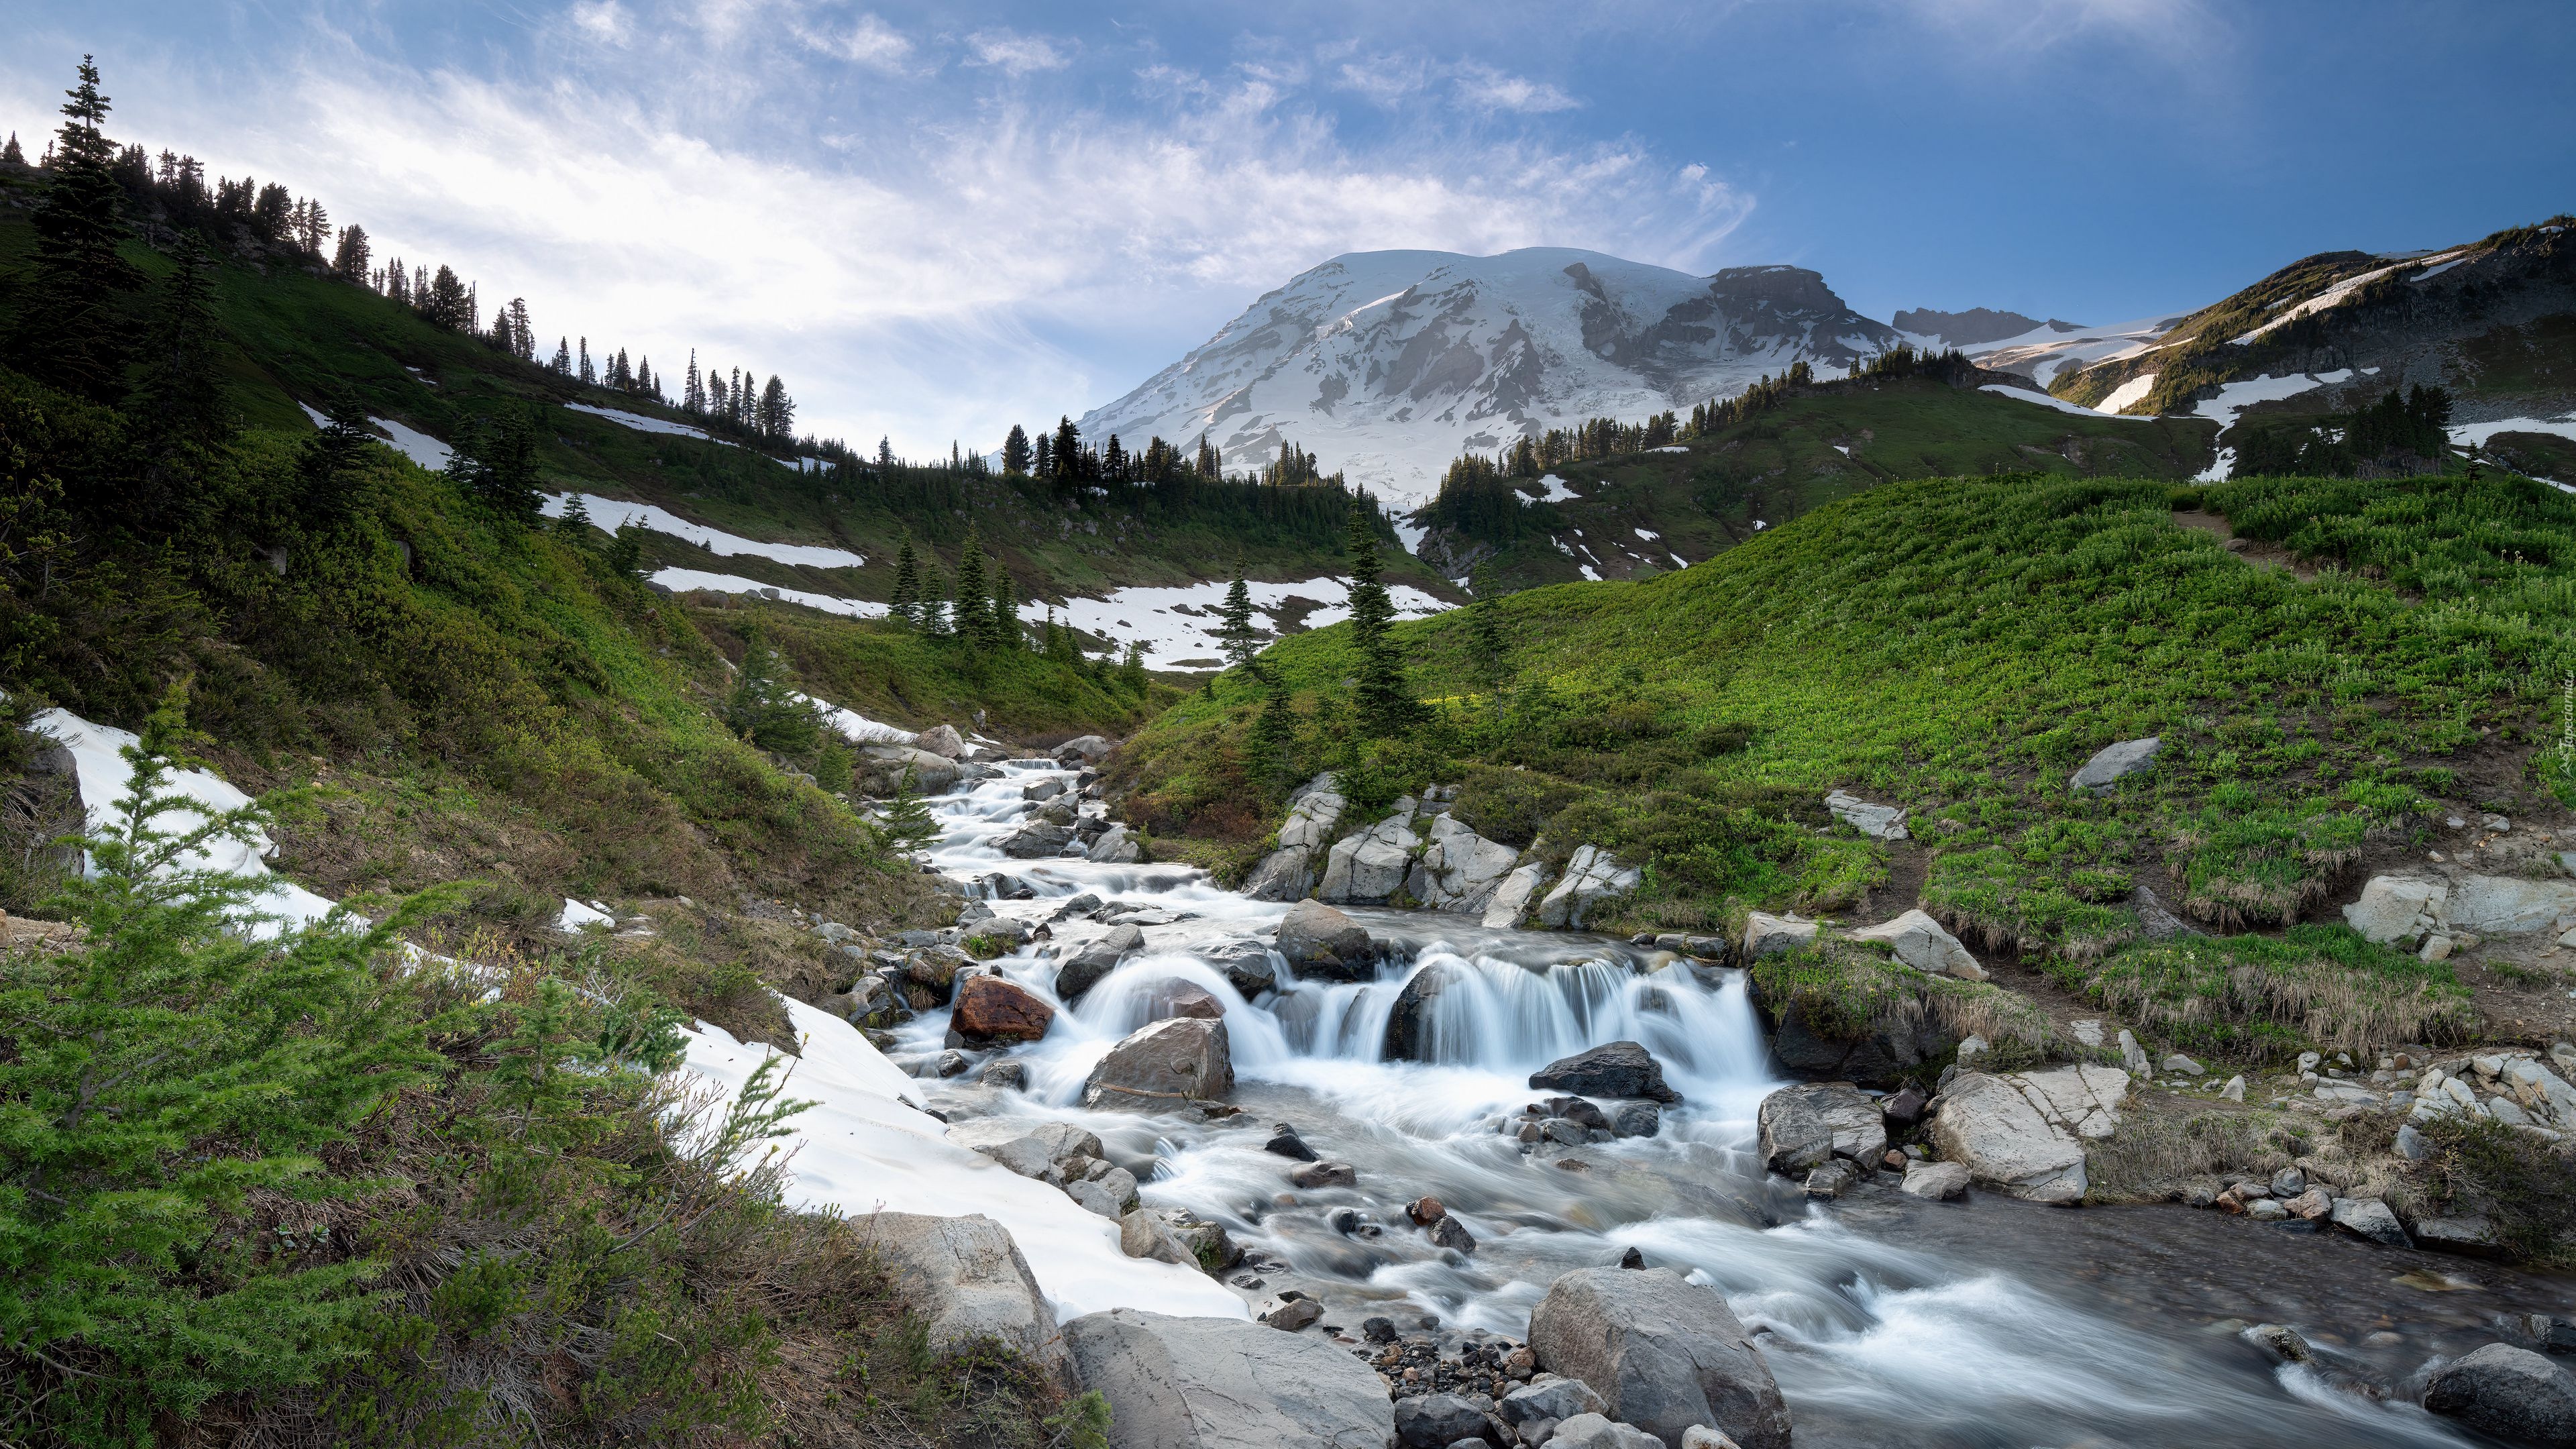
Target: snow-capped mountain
<point x="1389" y="364"/>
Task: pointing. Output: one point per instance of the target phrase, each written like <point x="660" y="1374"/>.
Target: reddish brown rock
<point x="990" y="1009"/>
<point x="1425" y="1211"/>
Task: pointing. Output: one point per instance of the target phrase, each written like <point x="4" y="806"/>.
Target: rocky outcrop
<point x="1083" y="750"/>
<point x="1038" y="839"/>
<point x="1805" y="1127"/>
<point x="1769" y="935"/>
<point x="1939" y="1181"/>
<point x="1663" y="1353"/>
<point x="1614" y="1069"/>
<point x="2025" y="1134"/>
<point x="1369" y="867"/>
<point x="1882" y="1058"/>
<point x="941" y="740"/>
<point x="1163" y="1065"/>
<point x="1321" y="942"/>
<point x="1458" y="870"/>
<point x="2511" y="1393"/>
<point x="1878" y="822"/>
<point x="2409" y="907"/>
<point x="1097" y="960"/>
<point x="2114" y="763"/>
<point x="1920" y="942"/>
<point x="881" y="767"/>
<point x="1222" y="1383"/>
<point x="967" y="1281"/>
<point x="990" y="1011"/>
<point x="1510" y="903"/>
<point x="1592" y="877"/>
<point x="1288" y="873"/>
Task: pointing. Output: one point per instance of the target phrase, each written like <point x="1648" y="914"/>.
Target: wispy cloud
<point x="1495" y="90"/>
<point x="867" y="41"/>
<point x="1015" y="54"/>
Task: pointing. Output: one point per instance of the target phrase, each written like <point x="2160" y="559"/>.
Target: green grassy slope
<point x="1958" y="647"/>
<point x="1822" y="444"/>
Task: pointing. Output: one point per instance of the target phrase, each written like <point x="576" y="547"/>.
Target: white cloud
<point x="1487" y="88"/>
<point x="1015" y="54"/>
<point x="867" y="41"/>
<point x="603" y="21"/>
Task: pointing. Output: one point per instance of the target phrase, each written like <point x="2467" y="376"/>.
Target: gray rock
<point x="1100" y="1197"/>
<point x="1142" y="1233"/>
<point x="2368" y="1217"/>
<point x="1878" y="822"/>
<point x="1436" y="1421"/>
<point x="2469" y="1234"/>
<point x="1324" y="1173"/>
<point x="1837" y="1176"/>
<point x="2116" y="762"/>
<point x="1636" y="1119"/>
<point x="1770" y="935"/>
<point x="1162" y="1066"/>
<point x="967" y="1280"/>
<point x="882" y="767"/>
<point x="1221" y="1383"/>
<point x="1459" y="870"/>
<point x="1594" y="876"/>
<point x="941" y="740"/>
<point x="2511" y="1393"/>
<point x="1939" y="1181"/>
<point x="1447" y="1232"/>
<point x="2500" y="905"/>
<point x="1321" y="942"/>
<point x="2395" y="907"/>
<point x="1615" y="1069"/>
<point x="1920" y="942"/>
<point x="2176" y="1064"/>
<point x="1369" y="867"/>
<point x="1664" y="1354"/>
<point x="1088" y="965"/>
<point x="1037" y="839"/>
<point x="1411" y="1024"/>
<point x="1246" y="965"/>
<point x="1283" y="875"/>
<point x="2410" y="1143"/>
<point x="1560" y="1398"/>
<point x="1088" y="749"/>
<point x="1804" y="1127"/>
<point x="2025" y="1134"/>
<point x="1116" y="846"/>
<point x="1700" y="1436"/>
<point x="2289" y="1182"/>
<point x="1046" y="789"/>
<point x="1592" y="1431"/>
<point x="1510" y="903"/>
<point x="1293" y="1314"/>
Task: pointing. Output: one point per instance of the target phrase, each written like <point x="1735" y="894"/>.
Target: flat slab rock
<point x="2025" y="1134"/>
<point x="1878" y="822"/>
<point x="1223" y="1383"/>
<point x="1806" y="1126"/>
<point x="2113" y="763"/>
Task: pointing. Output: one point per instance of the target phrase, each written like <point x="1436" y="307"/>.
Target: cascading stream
<point x="1888" y="1320"/>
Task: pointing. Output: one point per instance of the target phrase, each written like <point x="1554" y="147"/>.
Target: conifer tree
<point x="764" y="707"/>
<point x="1235" y="632"/>
<point x="1131" y="670"/>
<point x="693" y="389"/>
<point x="907" y="826"/>
<point x="588" y="373"/>
<point x="1491" y="653"/>
<point x="625" y="553"/>
<point x="832" y="765"/>
<point x="326" y="467"/>
<point x="562" y="365"/>
<point x="1042" y="457"/>
<point x="1385" y="701"/>
<point x="523" y="338"/>
<point x="69" y="330"/>
<point x="1015" y="450"/>
<point x="1006" y="609"/>
<point x="11" y="153"/>
<point x="351" y="260"/>
<point x="934" y="611"/>
<point x="181" y="399"/>
<point x="1273" y="739"/>
<point x="496" y="464"/>
<point x="974" y="610"/>
<point x="574" y="522"/>
<point x="905" y="606"/>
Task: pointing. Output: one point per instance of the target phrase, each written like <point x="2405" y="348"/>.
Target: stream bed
<point x="1887" y="1319"/>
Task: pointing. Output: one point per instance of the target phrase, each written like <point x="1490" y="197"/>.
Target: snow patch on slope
<point x="865" y="1145"/>
<point x="412" y="443"/>
<point x="614" y="513"/>
<point x="2475" y="435"/>
<point x="2127" y="394"/>
<point x="2340" y="291"/>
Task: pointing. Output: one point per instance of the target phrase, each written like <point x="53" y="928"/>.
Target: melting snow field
<point x="100" y="766"/>
<point x="2031" y="395"/>
<point x="680" y="581"/>
<point x="2128" y="393"/>
<point x="642" y="424"/>
<point x="1181" y="623"/>
<point x="2475" y="435"/>
<point x="412" y="443"/>
<point x="2334" y="295"/>
<point x="612" y="513"/>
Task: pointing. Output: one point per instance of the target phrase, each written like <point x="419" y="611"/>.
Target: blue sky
<point x="936" y="220"/>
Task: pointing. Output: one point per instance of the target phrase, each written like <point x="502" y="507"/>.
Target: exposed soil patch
<point x="2261" y="555"/>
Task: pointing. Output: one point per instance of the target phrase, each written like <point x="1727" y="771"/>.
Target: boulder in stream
<point x="1163" y="1065"/>
<point x="1246" y="965"/>
<point x="990" y="1010"/>
<point x="1807" y="1126"/>
<point x="1323" y="943"/>
<point x="1117" y="845"/>
<point x="2025" y="1134"/>
<point x="1614" y="1069"/>
<point x="2511" y="1393"/>
<point x="1408" y="1035"/>
<point x="1097" y="960"/>
<point x="1510" y="902"/>
<point x="1459" y="870"/>
<point x="1222" y="1383"/>
<point x="1664" y="1354"/>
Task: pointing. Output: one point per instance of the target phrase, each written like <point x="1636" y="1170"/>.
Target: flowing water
<point x="1887" y="1320"/>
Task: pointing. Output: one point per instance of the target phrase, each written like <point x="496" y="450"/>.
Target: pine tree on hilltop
<point x="905" y="607"/>
<point x="1015" y="450"/>
<point x="351" y="260"/>
<point x="1385" y="700"/>
<point x="562" y="365"/>
<point x="11" y="154"/>
<point x="1235" y="632"/>
<point x="69" y="329"/>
